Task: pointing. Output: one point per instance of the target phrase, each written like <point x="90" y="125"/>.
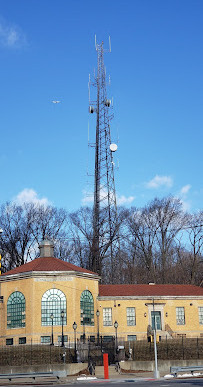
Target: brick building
<point x="43" y="295"/>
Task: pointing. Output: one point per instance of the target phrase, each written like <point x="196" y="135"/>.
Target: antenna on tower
<point x="109" y="44"/>
<point x="95" y="37"/>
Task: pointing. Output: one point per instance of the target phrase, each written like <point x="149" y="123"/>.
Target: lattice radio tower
<point x="105" y="238"/>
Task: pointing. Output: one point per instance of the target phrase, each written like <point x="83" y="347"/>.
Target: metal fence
<point x="34" y="353"/>
<point x="167" y="349"/>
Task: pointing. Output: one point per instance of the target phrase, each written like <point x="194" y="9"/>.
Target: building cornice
<point x="48" y="274"/>
<point x="150" y="298"/>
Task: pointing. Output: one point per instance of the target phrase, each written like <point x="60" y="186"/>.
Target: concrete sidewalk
<point x="99" y="376"/>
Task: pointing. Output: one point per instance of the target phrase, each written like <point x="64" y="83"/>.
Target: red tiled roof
<point x="150" y="290"/>
<point x="47" y="264"/>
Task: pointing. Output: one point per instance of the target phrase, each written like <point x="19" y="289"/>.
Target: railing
<point x="167" y="349"/>
<point x="34" y="353"/>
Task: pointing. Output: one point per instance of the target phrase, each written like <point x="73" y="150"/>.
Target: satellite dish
<point x="91" y="109"/>
<point x="113" y="147"/>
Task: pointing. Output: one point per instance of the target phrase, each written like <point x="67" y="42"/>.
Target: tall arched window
<point x="53" y="303"/>
<point x="16" y="310"/>
<point x="87" y="308"/>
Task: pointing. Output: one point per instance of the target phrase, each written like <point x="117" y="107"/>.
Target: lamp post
<point x="156" y="371"/>
<point x="97" y="314"/>
<point x="75" y="327"/>
<point x="116" y="328"/>
<point x="62" y="336"/>
<point x="84" y="321"/>
<point x="52" y="323"/>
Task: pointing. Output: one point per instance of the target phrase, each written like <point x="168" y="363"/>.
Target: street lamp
<point x="52" y="323"/>
<point x="156" y="372"/>
<point x="62" y="336"/>
<point x="97" y="314"/>
<point x="84" y="321"/>
<point x="116" y="328"/>
<point x="75" y="327"/>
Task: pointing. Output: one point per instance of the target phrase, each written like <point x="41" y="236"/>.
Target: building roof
<point x="149" y="290"/>
<point x="47" y="264"/>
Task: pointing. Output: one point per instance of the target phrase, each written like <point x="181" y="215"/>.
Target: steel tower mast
<point x="105" y="238"/>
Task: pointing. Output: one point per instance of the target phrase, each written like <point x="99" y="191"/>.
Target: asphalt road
<point x="142" y="383"/>
<point x="125" y="382"/>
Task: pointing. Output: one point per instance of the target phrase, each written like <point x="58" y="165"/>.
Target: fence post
<point x="183" y="347"/>
<point x="31" y="353"/>
<point x="166" y="347"/>
<point x="197" y="348"/>
<point x="150" y="349"/>
<point x="50" y="353"/>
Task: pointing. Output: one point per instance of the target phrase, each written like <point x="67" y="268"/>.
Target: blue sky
<point x="47" y="52"/>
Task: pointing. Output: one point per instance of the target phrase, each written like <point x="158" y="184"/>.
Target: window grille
<point x="132" y="337"/>
<point x="86" y="308"/>
<point x="45" y="339"/>
<point x="107" y="316"/>
<point x="180" y="316"/>
<point x="22" y="340"/>
<point x="9" y="341"/>
<point x="16" y="310"/>
<point x="201" y="315"/>
<point x="130" y="316"/>
<point x="65" y="339"/>
<point x="53" y="302"/>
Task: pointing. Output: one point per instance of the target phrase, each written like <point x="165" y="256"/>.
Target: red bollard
<point x="106" y="365"/>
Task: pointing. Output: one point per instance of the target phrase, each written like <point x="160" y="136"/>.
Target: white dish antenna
<point x="113" y="147"/>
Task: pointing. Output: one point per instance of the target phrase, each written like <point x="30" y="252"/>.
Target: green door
<point x="156" y="320"/>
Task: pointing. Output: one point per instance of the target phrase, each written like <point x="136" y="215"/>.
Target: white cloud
<point x="186" y="205"/>
<point x="121" y="200"/>
<point x="184" y="190"/>
<point x="160" y="181"/>
<point x="88" y="198"/>
<point x="11" y="36"/>
<point x="28" y="195"/>
<point x="124" y="200"/>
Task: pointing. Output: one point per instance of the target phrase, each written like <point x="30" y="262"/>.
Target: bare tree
<point x="24" y="227"/>
<point x="82" y="234"/>
<point x="15" y="240"/>
<point x="143" y="229"/>
<point x="170" y="220"/>
<point x="195" y="234"/>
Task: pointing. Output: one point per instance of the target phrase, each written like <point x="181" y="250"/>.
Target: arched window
<point x="53" y="303"/>
<point x="16" y="310"/>
<point x="87" y="308"/>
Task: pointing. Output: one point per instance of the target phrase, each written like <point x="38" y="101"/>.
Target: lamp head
<point x="62" y="314"/>
<point x="116" y="325"/>
<point x="75" y="326"/>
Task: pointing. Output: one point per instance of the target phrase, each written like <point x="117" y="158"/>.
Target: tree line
<point x="157" y="243"/>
